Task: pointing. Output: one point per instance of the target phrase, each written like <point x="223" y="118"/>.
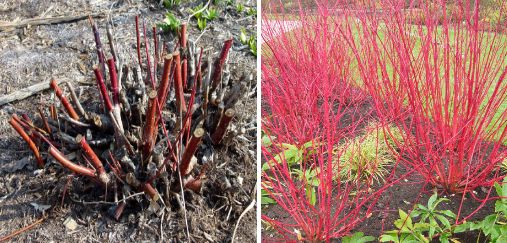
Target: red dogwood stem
<point x="150" y="126"/>
<point x="190" y="149"/>
<point x="164" y="82"/>
<point x="222" y="126"/>
<point x="94" y="159"/>
<point x="66" y="104"/>
<point x="114" y="81"/>
<point x="78" y="169"/>
<point x="102" y="88"/>
<point x="28" y="140"/>
<point x="219" y="64"/>
<point x="178" y="85"/>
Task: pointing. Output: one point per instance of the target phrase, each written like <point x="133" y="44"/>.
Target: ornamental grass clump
<point x="443" y="83"/>
<point x="142" y="133"/>
<point x="371" y="155"/>
<point x="308" y="95"/>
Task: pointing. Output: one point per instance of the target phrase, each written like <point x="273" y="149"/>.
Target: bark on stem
<point x="164" y="82"/>
<point x="219" y="133"/>
<point x="78" y="169"/>
<point x="150" y="126"/>
<point x="190" y="149"/>
<point x="178" y="85"/>
<point x="28" y="140"/>
<point x="66" y="104"/>
<point x="97" y="164"/>
<point x="219" y="64"/>
<point x="102" y="88"/>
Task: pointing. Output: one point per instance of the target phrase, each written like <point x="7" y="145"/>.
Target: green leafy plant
<point x="201" y="24"/>
<point x="196" y="11"/>
<point x="240" y="8"/>
<point x="291" y="153"/>
<point x="210" y="14"/>
<point x="170" y="23"/>
<point x="169" y="4"/>
<point x="310" y="182"/>
<point x="367" y="156"/>
<point x="432" y="222"/>
<point x="493" y="226"/>
<point x="406" y="231"/>
<point x="243" y="37"/>
<point x="251" y="41"/>
<point x="251" y="12"/>
<point x="358" y="237"/>
<point x="265" y="197"/>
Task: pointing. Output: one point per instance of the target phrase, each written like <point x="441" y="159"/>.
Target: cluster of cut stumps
<point x="137" y="140"/>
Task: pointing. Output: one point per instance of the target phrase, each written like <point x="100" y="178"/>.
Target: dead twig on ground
<point x="24" y="229"/>
<point x="9" y="26"/>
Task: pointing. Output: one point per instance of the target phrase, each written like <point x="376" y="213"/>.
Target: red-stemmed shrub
<point x="450" y="89"/>
<point x="308" y="97"/>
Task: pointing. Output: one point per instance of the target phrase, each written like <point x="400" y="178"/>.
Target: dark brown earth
<point x="66" y="51"/>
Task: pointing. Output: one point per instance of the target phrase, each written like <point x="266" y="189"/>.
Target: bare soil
<point x="66" y="51"/>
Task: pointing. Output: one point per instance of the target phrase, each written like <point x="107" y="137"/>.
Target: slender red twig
<point x="66" y="104"/>
<point x="28" y="140"/>
<point x="78" y="169"/>
<point x="114" y="81"/>
<point x="178" y="85"/>
<point x="98" y="44"/>
<point x="102" y="88"/>
<point x="19" y="231"/>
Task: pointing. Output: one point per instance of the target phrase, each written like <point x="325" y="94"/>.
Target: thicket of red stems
<point x="444" y="84"/>
<point x="307" y="95"/>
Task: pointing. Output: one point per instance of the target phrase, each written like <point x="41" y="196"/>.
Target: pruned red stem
<point x="190" y="150"/>
<point x="150" y="191"/>
<point x="114" y="81"/>
<point x="66" y="104"/>
<point x="150" y="126"/>
<point x="31" y="144"/>
<point x="102" y="88"/>
<point x="219" y="64"/>
<point x="94" y="159"/>
<point x="78" y="169"/>
<point x="183" y="36"/>
<point x="178" y="84"/>
<point x="222" y="126"/>
<point x="164" y="82"/>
